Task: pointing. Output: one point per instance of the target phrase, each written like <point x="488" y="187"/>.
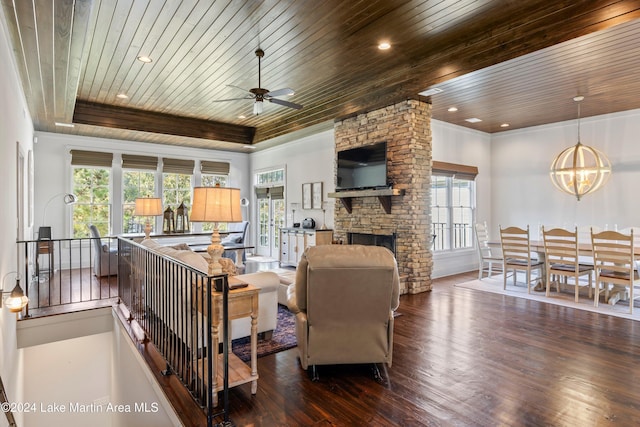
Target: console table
<point x="243" y="302"/>
<point x="294" y="240"/>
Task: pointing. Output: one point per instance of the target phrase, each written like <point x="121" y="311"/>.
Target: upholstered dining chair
<point x="516" y="252"/>
<point x="613" y="256"/>
<point x="487" y="256"/>
<point x="561" y="259"/>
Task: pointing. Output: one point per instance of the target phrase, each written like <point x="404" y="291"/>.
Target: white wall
<point x="522" y="190"/>
<point x="68" y="372"/>
<point x="456" y="144"/>
<point x="15" y="128"/>
<point x="308" y="159"/>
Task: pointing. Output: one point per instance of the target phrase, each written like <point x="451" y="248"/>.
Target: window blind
<point x="132" y="161"/>
<point x="214" y="168"/>
<point x="262" y="193"/>
<point x="454" y="170"/>
<point x="276" y="192"/>
<point x="178" y="166"/>
<point x="273" y="192"/>
<point x="91" y="158"/>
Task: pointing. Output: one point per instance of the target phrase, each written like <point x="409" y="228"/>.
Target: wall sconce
<point x="17" y="300"/>
<point x="580" y="169"/>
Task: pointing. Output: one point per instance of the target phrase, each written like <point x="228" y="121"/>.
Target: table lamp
<point x="148" y="207"/>
<point x="216" y="204"/>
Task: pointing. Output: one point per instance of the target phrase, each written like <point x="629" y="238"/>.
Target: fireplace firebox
<point x="385" y="240"/>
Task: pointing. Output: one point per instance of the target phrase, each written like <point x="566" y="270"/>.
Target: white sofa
<point x="267" y="282"/>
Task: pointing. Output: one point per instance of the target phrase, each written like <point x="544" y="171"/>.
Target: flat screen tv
<point x="362" y="168"/>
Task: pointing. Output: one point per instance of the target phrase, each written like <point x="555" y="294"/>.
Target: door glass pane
<point x="263" y="222"/>
<point x="278" y="222"/>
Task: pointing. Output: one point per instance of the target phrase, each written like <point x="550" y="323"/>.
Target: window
<point x="452" y="206"/>
<point x="135" y="184"/>
<point x="92" y="186"/>
<point x="176" y="182"/>
<point x="271" y="178"/>
<point x="176" y="189"/>
<point x="138" y="180"/>
<point x="93" y="206"/>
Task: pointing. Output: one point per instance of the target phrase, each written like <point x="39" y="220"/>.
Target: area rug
<point x="283" y="338"/>
<point x="566" y="299"/>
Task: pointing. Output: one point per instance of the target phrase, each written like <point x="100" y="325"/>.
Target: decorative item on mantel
<point x="168" y="222"/>
<point x="580" y="169"/>
<point x="216" y="204"/>
<point x="182" y="219"/>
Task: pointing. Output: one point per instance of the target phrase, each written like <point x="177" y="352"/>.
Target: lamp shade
<point x="148" y="206"/>
<point x="216" y="204"/>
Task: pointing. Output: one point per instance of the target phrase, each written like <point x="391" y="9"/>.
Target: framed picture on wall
<point x="306" y="196"/>
<point x="316" y="195"/>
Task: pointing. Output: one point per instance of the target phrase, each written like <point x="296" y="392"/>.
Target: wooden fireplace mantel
<point x="383" y="195"/>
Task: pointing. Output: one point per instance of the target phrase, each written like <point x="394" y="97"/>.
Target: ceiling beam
<point x="95" y="114"/>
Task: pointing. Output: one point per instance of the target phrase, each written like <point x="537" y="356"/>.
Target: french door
<point x="271" y="216"/>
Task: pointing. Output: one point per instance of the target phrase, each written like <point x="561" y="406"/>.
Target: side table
<point x="243" y="302"/>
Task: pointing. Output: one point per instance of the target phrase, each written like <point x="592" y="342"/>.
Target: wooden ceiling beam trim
<point x="90" y="113"/>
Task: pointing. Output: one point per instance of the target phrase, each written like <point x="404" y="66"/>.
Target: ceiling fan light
<point x="257" y="107"/>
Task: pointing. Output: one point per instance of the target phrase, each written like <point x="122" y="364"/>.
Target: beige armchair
<point x="344" y="297"/>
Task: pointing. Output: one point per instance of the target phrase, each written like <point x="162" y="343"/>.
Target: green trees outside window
<point x="135" y="184"/>
<point x="91" y="186"/>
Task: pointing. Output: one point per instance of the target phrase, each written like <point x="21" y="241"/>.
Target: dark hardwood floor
<point x="465" y="358"/>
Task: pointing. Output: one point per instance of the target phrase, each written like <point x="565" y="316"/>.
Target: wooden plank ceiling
<point x="516" y="62"/>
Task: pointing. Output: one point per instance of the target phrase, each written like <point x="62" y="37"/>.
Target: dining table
<point x="616" y="293"/>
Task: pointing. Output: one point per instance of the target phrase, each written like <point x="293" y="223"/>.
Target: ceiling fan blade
<point x="232" y="99"/>
<point x="287" y="91"/>
<point x="286" y="103"/>
<point x="238" y="87"/>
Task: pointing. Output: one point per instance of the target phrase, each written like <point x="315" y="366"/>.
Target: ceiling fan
<point x="259" y="94"/>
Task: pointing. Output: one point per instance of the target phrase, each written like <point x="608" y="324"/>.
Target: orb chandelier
<point x="580" y="169"/>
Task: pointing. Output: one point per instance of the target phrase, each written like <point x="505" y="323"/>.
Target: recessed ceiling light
<point x="64" y="125"/>
<point x="144" y="59"/>
<point x="122" y="96"/>
<point x="384" y="46"/>
<point x="504" y="125"/>
<point x="242" y="116"/>
<point x="430" y="92"/>
<point x="452" y="109"/>
<point x="473" y="120"/>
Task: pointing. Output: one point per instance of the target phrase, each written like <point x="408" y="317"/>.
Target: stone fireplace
<point x="405" y="127"/>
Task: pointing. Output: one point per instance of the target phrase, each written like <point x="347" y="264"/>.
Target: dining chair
<point x="561" y="259"/>
<point x="487" y="255"/>
<point x="613" y="256"/>
<point x="516" y="252"/>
